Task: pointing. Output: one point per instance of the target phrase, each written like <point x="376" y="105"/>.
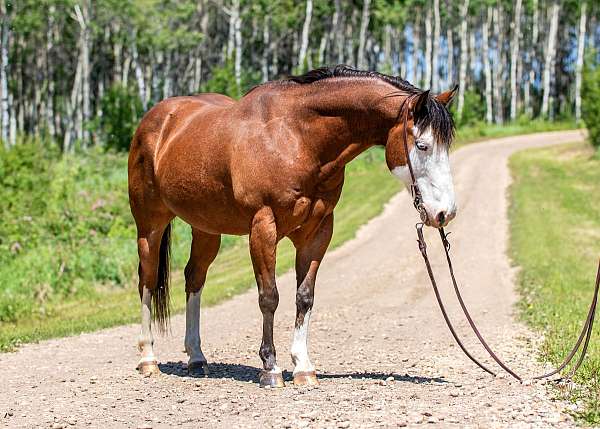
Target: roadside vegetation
<point x="555" y="230"/>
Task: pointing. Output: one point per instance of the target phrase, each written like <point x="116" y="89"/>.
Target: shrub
<point x="121" y="113"/>
<point x="590" y="100"/>
<point x="473" y="109"/>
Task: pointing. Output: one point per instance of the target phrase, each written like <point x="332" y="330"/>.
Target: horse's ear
<point x="446" y="97"/>
<point x="420" y="106"/>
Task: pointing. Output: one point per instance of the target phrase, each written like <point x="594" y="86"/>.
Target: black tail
<point x="160" y="305"/>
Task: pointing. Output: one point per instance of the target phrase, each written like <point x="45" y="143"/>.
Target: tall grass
<point x="555" y="233"/>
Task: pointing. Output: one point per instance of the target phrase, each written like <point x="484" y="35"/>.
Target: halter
<point x="586" y="331"/>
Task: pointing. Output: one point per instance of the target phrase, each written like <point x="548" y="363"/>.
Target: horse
<point x="271" y="165"/>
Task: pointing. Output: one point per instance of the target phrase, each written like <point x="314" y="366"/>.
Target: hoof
<point x="148" y="368"/>
<point x="306" y="378"/>
<point x="271" y="379"/>
<point x="198" y="369"/>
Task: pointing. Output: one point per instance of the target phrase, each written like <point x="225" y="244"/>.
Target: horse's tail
<point x="160" y="306"/>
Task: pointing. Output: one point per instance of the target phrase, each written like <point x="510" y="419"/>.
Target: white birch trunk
<point x="532" y="50"/>
<point x="338" y="33"/>
<point x="487" y="68"/>
<point x="462" y="75"/>
<point x="427" y="82"/>
<point x="4" y="100"/>
<point x="139" y="74"/>
<point x="364" y="24"/>
<point x="550" y="58"/>
<point x="435" y="69"/>
<point x="580" y="54"/>
<point x="416" y="41"/>
<point x="450" y="57"/>
<point x="304" y="39"/>
<point x="264" y="65"/>
<point x="514" y="55"/>
<point x="83" y="14"/>
<point x="238" y="47"/>
<point x="71" y="107"/>
<point x="498" y="65"/>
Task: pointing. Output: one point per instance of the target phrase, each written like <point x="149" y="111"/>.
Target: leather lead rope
<point x="586" y="331"/>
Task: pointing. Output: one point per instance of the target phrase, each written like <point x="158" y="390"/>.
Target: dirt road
<point x="382" y="351"/>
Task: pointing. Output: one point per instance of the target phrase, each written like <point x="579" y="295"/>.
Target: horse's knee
<point x="268" y="299"/>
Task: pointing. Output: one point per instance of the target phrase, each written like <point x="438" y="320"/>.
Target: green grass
<point x="555" y="236"/>
<point x="68" y="258"/>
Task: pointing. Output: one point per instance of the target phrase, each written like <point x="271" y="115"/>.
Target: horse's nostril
<point x="441" y="218"/>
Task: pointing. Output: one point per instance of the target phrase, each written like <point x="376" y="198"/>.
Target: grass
<point x="68" y="259"/>
<point x="555" y="236"/>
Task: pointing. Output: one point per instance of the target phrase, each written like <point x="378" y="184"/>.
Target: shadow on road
<point x="247" y="373"/>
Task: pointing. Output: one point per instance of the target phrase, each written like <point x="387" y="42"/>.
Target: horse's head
<point x="429" y="132"/>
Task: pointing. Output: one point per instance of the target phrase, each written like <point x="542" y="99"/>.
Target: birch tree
<point x="304" y="41"/>
<point x="514" y="57"/>
<point x="364" y="23"/>
<point x="427" y="64"/>
<point x="487" y="68"/>
<point x="4" y="99"/>
<point x="580" y="55"/>
<point x="435" y="72"/>
<point x="462" y="77"/>
<point x="550" y="58"/>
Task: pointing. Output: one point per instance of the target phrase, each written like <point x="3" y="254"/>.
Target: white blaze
<point x="431" y="168"/>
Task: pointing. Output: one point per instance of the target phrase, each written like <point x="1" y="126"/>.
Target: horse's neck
<point x="348" y="117"/>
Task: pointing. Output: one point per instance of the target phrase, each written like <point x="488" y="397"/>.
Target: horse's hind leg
<point x="153" y="268"/>
<point x="204" y="251"/>
<point x="263" y="246"/>
<point x="311" y="243"/>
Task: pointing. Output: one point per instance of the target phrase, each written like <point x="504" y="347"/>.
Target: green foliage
<point x="121" y="113"/>
<point x="473" y="110"/>
<point x="555" y="231"/>
<point x="590" y="99"/>
<point x="223" y="81"/>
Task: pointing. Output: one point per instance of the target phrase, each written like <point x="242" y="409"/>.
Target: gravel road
<point x="382" y="351"/>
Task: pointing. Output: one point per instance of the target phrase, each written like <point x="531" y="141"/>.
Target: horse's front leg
<point x="311" y="244"/>
<point x="263" y="246"/>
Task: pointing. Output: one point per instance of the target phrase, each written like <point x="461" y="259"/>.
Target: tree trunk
<point x="83" y="15"/>
<point x="532" y="53"/>
<point x="416" y="41"/>
<point x="450" y="57"/>
<point x="304" y="39"/>
<point x="338" y="33"/>
<point x="550" y="58"/>
<point x="487" y="68"/>
<point x="580" y="53"/>
<point x="514" y="55"/>
<point x="462" y="77"/>
<point x="4" y="100"/>
<point x="139" y="74"/>
<point x="427" y="82"/>
<point x="238" y="47"/>
<point x="498" y="65"/>
<point x="435" y="69"/>
<point x="71" y="108"/>
<point x="364" y="24"/>
<point x="264" y="62"/>
<point x="50" y="120"/>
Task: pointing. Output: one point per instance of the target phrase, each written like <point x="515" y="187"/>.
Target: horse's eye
<point x="421" y="145"/>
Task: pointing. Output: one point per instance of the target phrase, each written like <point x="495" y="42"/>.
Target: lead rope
<point x="418" y="203"/>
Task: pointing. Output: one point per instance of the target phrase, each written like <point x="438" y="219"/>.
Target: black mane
<point x="435" y="114"/>
<point x="342" y="70"/>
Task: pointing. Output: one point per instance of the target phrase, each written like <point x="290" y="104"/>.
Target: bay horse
<point x="271" y="165"/>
